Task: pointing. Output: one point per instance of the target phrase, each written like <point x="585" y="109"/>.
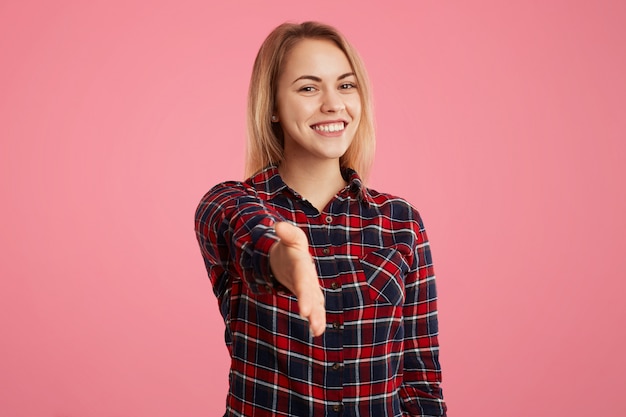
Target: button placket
<point x="335" y="326"/>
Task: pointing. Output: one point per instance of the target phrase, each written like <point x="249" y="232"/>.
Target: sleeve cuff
<point x="264" y="280"/>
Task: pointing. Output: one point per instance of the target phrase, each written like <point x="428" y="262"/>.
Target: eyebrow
<point x="318" y="79"/>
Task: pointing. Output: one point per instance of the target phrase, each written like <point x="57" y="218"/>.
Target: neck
<point x="318" y="182"/>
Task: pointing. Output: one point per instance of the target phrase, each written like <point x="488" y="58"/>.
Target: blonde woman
<point x="326" y="287"/>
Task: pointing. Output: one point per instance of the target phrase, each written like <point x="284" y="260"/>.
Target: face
<point x="317" y="102"/>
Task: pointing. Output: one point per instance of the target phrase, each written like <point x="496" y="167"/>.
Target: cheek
<point x="355" y="107"/>
<point x="293" y="111"/>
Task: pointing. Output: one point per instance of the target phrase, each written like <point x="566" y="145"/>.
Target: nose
<point x="332" y="102"/>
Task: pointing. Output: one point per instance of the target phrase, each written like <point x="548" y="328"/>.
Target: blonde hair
<point x="265" y="139"/>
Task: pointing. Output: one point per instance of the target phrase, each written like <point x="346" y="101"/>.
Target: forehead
<point x="316" y="57"/>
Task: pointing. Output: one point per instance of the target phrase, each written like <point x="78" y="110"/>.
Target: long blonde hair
<point x="265" y="139"/>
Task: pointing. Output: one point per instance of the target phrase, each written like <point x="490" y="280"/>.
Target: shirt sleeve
<point x="420" y="392"/>
<point x="234" y="228"/>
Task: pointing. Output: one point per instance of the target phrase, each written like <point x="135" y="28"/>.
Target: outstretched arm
<point x="239" y="235"/>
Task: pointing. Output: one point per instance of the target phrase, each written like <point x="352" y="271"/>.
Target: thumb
<point x="289" y="234"/>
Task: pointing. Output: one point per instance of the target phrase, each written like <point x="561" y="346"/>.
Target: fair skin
<point x="319" y="109"/>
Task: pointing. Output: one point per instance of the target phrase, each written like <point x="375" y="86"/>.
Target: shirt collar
<point x="270" y="181"/>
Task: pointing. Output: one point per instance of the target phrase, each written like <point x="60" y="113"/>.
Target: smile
<point x="329" y="127"/>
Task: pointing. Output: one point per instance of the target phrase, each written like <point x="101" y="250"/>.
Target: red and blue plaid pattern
<point x="379" y="354"/>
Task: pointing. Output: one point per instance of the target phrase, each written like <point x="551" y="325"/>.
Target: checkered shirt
<point x="378" y="356"/>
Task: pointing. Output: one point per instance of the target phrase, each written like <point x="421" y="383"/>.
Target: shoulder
<point x="398" y="206"/>
<point x="227" y="189"/>
<point x="397" y="209"/>
<point x="220" y="197"/>
<point x="400" y="218"/>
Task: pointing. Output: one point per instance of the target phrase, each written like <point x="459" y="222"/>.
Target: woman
<point x="326" y="287"/>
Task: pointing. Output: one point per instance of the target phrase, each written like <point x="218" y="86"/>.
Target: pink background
<point x="503" y="123"/>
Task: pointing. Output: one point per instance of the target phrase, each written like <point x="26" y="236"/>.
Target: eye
<point x="307" y="89"/>
<point x="347" y="86"/>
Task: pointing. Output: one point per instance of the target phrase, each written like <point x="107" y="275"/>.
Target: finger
<point x="306" y="283"/>
<point x="305" y="303"/>
<point x="317" y="320"/>
<point x="311" y="305"/>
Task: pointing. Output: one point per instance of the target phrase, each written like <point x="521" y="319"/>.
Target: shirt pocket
<point x="384" y="271"/>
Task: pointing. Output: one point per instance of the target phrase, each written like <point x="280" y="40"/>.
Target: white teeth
<point x="330" y="127"/>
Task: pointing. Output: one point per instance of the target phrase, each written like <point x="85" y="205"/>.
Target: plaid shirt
<point x="379" y="354"/>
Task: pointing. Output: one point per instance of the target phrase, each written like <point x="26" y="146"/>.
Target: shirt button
<point x="337" y="407"/>
<point x="268" y="288"/>
<point x="336" y="366"/>
<point x="336" y="325"/>
<point x="334" y="285"/>
<point x="329" y="219"/>
<point x="325" y="251"/>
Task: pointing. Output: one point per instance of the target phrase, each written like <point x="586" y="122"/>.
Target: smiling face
<point x="317" y="102"/>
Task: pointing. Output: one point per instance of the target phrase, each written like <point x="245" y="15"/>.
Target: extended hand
<point x="292" y="265"/>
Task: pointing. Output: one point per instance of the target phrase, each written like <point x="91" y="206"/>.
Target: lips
<point x="329" y="127"/>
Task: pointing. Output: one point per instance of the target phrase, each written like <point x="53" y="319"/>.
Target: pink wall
<point x="504" y="124"/>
